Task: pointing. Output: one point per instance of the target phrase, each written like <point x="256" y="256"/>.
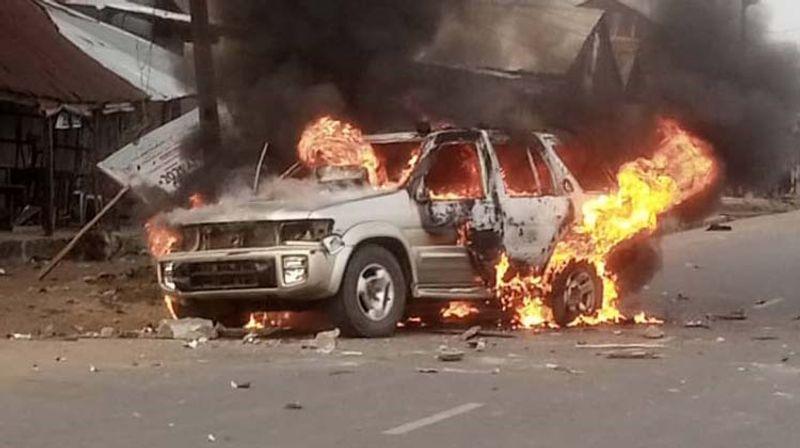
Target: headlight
<point x="295" y="269"/>
<point x="168" y="275"/>
<point x="310" y="230"/>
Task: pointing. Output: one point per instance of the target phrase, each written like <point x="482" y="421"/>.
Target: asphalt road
<point x="736" y="384"/>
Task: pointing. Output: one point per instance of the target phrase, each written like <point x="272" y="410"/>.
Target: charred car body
<point x="468" y="195"/>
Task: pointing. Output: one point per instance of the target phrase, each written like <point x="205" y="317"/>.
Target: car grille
<point x="225" y="275"/>
<point x="229" y="236"/>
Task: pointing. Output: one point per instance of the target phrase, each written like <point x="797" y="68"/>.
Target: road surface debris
<point x="449" y="354"/>
<point x="632" y="354"/>
<point x="733" y="315"/>
<point x="653" y="332"/>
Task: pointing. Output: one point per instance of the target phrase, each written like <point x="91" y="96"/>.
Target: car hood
<point x="320" y="205"/>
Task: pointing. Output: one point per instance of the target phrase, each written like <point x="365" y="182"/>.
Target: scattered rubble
<point x="480" y="332"/>
<point x="20" y="336"/>
<point x="733" y="315"/>
<point x="194" y="343"/>
<point x="653" y="332"/>
<point x="697" y="323"/>
<point x="632" y="354"/>
<point x="187" y="329"/>
<point x="765" y="337"/>
<point x="101" y="277"/>
<point x="324" y="341"/>
<point x="619" y="346"/>
<point x="763" y="303"/>
<point x="470" y="333"/>
<point x="478" y="344"/>
<point x="448" y="354"/>
<point x="715" y="227"/>
<point x="108" y="332"/>
<point x="560" y="368"/>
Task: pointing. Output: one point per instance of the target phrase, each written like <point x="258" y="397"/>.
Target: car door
<point x="450" y="189"/>
<point x="534" y="215"/>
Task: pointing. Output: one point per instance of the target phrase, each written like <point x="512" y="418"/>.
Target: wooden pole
<point x="46" y="270"/>
<point x="50" y="212"/>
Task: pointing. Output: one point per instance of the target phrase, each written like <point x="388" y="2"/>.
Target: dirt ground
<point x="80" y="297"/>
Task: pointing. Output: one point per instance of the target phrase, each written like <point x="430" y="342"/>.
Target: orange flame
<point x="330" y="142"/>
<point x="681" y="167"/>
<point x="458" y="310"/>
<point x="263" y="319"/>
<point x="161" y="238"/>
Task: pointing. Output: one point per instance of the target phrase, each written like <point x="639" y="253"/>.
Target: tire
<point x="218" y="311"/>
<point x="366" y="304"/>
<point x="577" y="290"/>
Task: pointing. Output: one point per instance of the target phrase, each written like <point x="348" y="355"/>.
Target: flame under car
<point x="448" y="205"/>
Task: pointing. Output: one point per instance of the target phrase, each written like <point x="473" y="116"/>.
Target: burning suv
<point x="364" y="224"/>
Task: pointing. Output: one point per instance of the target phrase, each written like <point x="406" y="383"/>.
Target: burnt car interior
<point x="455" y="173"/>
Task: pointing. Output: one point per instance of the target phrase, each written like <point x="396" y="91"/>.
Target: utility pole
<point x="204" y="79"/>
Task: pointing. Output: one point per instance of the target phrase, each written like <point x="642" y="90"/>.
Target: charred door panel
<point x="532" y="227"/>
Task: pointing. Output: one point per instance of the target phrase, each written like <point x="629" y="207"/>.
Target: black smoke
<point x="735" y="86"/>
<point x="289" y="61"/>
<point x="294" y="60"/>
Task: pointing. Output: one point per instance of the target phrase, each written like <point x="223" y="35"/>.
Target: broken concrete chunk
<point x="20" y="336"/>
<point x="719" y="228"/>
<point x="188" y="329"/>
<point x="733" y="315"/>
<point x="653" y="332"/>
<point x="560" y="368"/>
<point x="240" y="385"/>
<point x="447" y="354"/>
<point x="632" y="354"/>
<point x="108" y="332"/>
<point x="294" y="405"/>
<point x="697" y="323"/>
<point x="324" y="342"/>
<point x="478" y="344"/>
<point x="763" y="303"/>
<point x="470" y="333"/>
<point x="3" y="272"/>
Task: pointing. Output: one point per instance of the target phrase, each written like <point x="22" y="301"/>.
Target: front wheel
<point x="372" y="297"/>
<point x="577" y="290"/>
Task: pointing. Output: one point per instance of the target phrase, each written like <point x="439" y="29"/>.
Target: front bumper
<point x="252" y="274"/>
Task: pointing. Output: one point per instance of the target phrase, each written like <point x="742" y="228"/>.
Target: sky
<point x="784" y="18"/>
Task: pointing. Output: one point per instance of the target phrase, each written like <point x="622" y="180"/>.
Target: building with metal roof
<point x="160" y="73"/>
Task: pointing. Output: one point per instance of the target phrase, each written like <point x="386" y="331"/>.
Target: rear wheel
<point x="372" y="297"/>
<point x="577" y="290"/>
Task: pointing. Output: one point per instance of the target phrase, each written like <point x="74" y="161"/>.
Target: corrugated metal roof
<point x="38" y="64"/>
<point x="534" y="36"/>
<point x="160" y="73"/>
<point x="132" y="7"/>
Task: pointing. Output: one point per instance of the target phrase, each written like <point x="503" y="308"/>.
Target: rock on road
<point x="735" y="384"/>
